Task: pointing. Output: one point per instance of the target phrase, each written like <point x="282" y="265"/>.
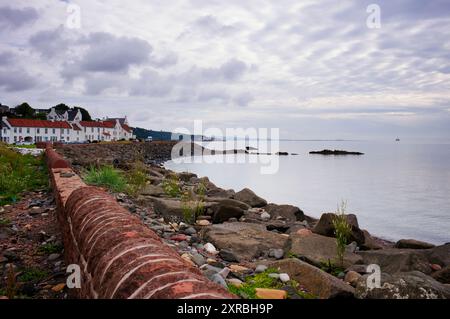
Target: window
<point x="20" y="130"/>
<point x="15" y="138"/>
<point x="53" y="131"/>
<point x="28" y="130"/>
<point x="15" y="130"/>
<point x="68" y="138"/>
<point x="67" y="131"/>
<point x="46" y="131"/>
<point x="38" y="130"/>
<point x="98" y="130"/>
<point x="46" y="138"/>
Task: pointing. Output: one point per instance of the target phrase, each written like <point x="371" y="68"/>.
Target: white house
<point x="14" y="130"/>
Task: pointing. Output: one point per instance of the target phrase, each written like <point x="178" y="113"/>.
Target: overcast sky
<point x="312" y="68"/>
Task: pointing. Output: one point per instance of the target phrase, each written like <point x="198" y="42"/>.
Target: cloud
<point x="11" y="18"/>
<point x="50" y="43"/>
<point x="16" y="80"/>
<point x="110" y="53"/>
<point x="6" y="58"/>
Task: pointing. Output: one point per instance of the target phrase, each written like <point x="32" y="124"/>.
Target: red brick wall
<point x="119" y="256"/>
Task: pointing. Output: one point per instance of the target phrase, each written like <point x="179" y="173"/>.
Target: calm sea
<point x="397" y="190"/>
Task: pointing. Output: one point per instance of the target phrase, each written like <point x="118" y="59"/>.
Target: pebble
<point x="238" y="268"/>
<point x="260" y="269"/>
<point x="224" y="272"/>
<point x="179" y="237"/>
<point x="235" y="282"/>
<point x="435" y="267"/>
<point x="228" y="255"/>
<point x="217" y="278"/>
<point x="276" y="253"/>
<point x="341" y="275"/>
<point x="53" y="257"/>
<point x="58" y="287"/>
<point x="352" y="277"/>
<point x="198" y="259"/>
<point x="190" y="231"/>
<point x="284" y="277"/>
<point x="265" y="216"/>
<point x="275" y="276"/>
<point x="264" y="293"/>
<point x="203" y="222"/>
<point x="188" y="259"/>
<point x="208" y="247"/>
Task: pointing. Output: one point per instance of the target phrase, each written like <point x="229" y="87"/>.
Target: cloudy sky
<point x="312" y="68"/>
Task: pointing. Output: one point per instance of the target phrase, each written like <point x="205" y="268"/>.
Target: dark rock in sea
<point x="413" y="244"/>
<point x="282" y="153"/>
<point x="335" y="152"/>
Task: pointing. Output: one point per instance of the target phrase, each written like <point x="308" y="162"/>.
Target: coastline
<point x="240" y="231"/>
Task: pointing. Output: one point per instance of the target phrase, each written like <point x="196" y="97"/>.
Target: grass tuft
<point x="106" y="176"/>
<point x="342" y="231"/>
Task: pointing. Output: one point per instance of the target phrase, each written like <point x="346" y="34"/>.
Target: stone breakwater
<point x="239" y="235"/>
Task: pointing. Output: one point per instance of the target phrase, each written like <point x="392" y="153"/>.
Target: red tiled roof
<point x="76" y="127"/>
<point x="38" y="123"/>
<point x="126" y="128"/>
<point x="97" y="124"/>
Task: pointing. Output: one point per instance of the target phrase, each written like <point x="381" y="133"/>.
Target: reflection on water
<point x="397" y="190"/>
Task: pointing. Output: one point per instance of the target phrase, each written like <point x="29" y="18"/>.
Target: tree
<point x="24" y="110"/>
<point x="61" y="108"/>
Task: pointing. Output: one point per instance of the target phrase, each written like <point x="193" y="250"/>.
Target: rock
<point x="58" y="287"/>
<point x="225" y="272"/>
<point x="53" y="257"/>
<point x="210" y="249"/>
<point x="352" y="278"/>
<point x="190" y="231"/>
<point x="203" y="222"/>
<point x="288" y="212"/>
<point x="169" y="209"/>
<point x="413" y="244"/>
<point x="260" y="269"/>
<point x="439" y="255"/>
<point x="218" y="279"/>
<point x="303" y="232"/>
<point x="408" y="285"/>
<point x="274" y="276"/>
<point x="278" y="225"/>
<point x="239" y="269"/>
<point x="316" y="281"/>
<point x="245" y="240"/>
<point x="369" y="242"/>
<point x="352" y="247"/>
<point x="360" y="269"/>
<point x="435" y="267"/>
<point x="249" y="197"/>
<point x="276" y="253"/>
<point x="264" y="293"/>
<point x="284" y="277"/>
<point x="228" y="256"/>
<point x="228" y="202"/>
<point x="235" y="282"/>
<point x="325" y="227"/>
<point x="198" y="259"/>
<point x="265" y="216"/>
<point x="335" y="152"/>
<point x="442" y="275"/>
<point x="223" y="213"/>
<point x="317" y="249"/>
<point x="393" y="260"/>
<point x="179" y="237"/>
<point x="186" y="176"/>
<point x="152" y="190"/>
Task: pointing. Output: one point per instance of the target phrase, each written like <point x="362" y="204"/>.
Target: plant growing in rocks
<point x="171" y="186"/>
<point x="136" y="178"/>
<point x="191" y="208"/>
<point x="342" y="231"/>
<point x="106" y="176"/>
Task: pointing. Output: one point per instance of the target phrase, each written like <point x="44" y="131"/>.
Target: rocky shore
<point x="266" y="250"/>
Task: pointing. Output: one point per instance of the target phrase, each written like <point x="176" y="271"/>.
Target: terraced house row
<point x="14" y="130"/>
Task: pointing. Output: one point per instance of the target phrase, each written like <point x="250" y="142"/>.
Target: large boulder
<point x="318" y="250"/>
<point x="153" y="190"/>
<point x="439" y="255"/>
<point x="409" y="285"/>
<point x="248" y="196"/>
<point x="287" y="212"/>
<point x="224" y="212"/>
<point x="316" y="281"/>
<point x="325" y="227"/>
<point x="393" y="260"/>
<point x="246" y="241"/>
<point x="369" y="243"/>
<point x="413" y="244"/>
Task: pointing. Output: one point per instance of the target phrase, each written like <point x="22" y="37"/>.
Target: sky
<point x="314" y="69"/>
